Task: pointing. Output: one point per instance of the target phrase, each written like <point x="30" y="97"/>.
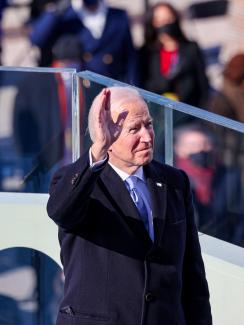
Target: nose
<point x="146" y="134"/>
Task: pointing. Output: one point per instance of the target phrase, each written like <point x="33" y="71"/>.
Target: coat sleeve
<point x="43" y="28"/>
<point x="153" y="80"/>
<point x="70" y="192"/>
<point x="195" y="293"/>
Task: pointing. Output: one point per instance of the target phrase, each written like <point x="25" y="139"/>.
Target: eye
<point x="134" y="129"/>
<point x="149" y="124"/>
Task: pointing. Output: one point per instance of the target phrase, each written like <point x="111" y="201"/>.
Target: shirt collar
<point x="139" y="173"/>
<point x="84" y="13"/>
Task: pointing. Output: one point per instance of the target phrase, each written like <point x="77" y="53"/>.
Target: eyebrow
<point x="134" y="123"/>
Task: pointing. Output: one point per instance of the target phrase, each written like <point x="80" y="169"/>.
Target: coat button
<point x="87" y="56"/>
<point x="149" y="297"/>
<point x="107" y="58"/>
<point x="74" y="178"/>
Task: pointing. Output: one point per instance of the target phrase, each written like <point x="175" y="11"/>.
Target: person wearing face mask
<point x="104" y="33"/>
<point x="170" y="64"/>
<point x="217" y="188"/>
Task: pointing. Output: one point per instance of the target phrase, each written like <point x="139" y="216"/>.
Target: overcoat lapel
<point x="121" y="198"/>
<point x="158" y="192"/>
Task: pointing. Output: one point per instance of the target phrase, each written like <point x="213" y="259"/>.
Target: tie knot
<point x="131" y="181"/>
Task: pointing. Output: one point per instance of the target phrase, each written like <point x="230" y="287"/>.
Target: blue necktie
<point x="137" y="199"/>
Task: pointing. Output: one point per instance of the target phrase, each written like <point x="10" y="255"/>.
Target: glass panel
<point x="213" y="156"/>
<point x="31" y="287"/>
<point x="35" y="128"/>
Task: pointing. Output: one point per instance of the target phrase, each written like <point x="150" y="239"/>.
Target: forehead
<point x="162" y="12"/>
<point x="194" y="138"/>
<point x="135" y="109"/>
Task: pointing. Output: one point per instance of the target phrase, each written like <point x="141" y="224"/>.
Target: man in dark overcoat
<point x="129" y="244"/>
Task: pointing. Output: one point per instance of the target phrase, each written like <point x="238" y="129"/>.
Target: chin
<point x="146" y="158"/>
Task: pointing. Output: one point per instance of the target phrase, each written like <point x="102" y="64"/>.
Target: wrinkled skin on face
<point x="134" y="146"/>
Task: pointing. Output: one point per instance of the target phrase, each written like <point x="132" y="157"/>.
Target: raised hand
<point x="105" y="130"/>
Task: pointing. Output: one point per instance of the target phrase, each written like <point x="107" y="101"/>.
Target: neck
<point x="130" y="170"/>
<point x="170" y="44"/>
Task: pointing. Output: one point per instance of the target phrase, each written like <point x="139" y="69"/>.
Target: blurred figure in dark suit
<point x="103" y="31"/>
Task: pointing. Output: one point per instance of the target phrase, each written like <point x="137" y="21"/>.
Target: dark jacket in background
<point x="187" y="79"/>
<point x="112" y="55"/>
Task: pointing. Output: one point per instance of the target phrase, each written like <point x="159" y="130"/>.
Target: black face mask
<point x="204" y="159"/>
<point x="172" y="29"/>
<point x="90" y="3"/>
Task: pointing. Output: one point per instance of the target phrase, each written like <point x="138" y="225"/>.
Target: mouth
<point x="144" y="149"/>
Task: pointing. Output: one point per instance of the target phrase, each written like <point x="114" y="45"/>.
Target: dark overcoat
<point x="112" y="55"/>
<point x="114" y="273"/>
<point x="187" y="78"/>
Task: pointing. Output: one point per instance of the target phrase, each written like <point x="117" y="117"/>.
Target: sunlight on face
<point x="162" y="15"/>
<point x="134" y="146"/>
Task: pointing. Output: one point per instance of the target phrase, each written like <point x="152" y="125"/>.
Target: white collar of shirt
<point x="94" y="21"/>
<point x="139" y="173"/>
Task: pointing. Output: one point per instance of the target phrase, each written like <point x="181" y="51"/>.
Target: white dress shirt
<point x="93" y="20"/>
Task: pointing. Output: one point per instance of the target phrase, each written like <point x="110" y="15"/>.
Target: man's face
<point x="134" y="146"/>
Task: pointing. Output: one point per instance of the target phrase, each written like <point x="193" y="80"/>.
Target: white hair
<point x="118" y="97"/>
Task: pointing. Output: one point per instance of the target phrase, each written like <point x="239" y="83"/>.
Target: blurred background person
<point x="217" y="189"/>
<point x="229" y="100"/>
<point x="104" y="33"/>
<point x="3" y="5"/>
<point x="170" y="64"/>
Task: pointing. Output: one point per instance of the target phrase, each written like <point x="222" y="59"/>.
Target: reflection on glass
<point x="31" y="286"/>
<point x="35" y="128"/>
<point x="216" y="174"/>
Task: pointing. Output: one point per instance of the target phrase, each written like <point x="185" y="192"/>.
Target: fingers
<point x="118" y="125"/>
<point x="121" y="118"/>
<point x="101" y="104"/>
<point x="107" y="99"/>
<point x="104" y="102"/>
